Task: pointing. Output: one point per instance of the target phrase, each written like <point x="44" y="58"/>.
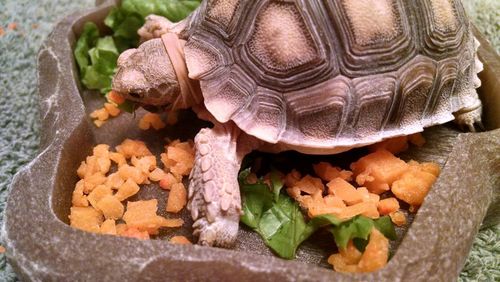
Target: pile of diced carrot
<point x="110" y="109"/>
<point x="109" y="178"/>
<point x="147" y="121"/>
<point x="348" y="193"/>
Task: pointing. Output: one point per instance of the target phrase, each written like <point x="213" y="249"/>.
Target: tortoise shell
<point x="324" y="74"/>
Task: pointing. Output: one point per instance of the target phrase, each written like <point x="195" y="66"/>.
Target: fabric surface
<point x="19" y="125"/>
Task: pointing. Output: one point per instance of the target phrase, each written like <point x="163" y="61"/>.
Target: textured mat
<point x="19" y="127"/>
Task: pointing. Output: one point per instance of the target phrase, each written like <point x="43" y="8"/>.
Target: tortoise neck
<point x="190" y="93"/>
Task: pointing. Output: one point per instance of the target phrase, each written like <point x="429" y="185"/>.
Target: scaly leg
<point x="470" y="116"/>
<point x="156" y="26"/>
<point x="214" y="195"/>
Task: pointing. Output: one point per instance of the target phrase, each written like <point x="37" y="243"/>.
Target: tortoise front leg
<point x="154" y="27"/>
<point x="214" y="195"/>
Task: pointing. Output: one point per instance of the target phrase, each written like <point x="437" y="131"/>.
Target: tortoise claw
<point x="470" y="117"/>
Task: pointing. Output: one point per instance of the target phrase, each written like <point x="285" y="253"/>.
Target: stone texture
<point x="41" y="246"/>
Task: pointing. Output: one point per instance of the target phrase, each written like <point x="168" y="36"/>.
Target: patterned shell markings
<point x="324" y="74"/>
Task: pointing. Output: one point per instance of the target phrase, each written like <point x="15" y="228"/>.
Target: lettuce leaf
<point x="281" y="224"/>
<point x="99" y="73"/>
<point x="174" y="10"/>
<point x="87" y="40"/>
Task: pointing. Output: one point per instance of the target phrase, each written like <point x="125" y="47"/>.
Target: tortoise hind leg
<point x="470" y="116"/>
<point x="214" y="195"/>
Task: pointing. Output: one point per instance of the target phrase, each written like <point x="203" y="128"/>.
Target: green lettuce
<point x="281" y="224"/>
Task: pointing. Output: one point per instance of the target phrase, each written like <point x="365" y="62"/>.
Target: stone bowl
<point x="42" y="246"/>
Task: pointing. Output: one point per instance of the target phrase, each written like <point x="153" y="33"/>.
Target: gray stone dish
<point x="41" y="246"/>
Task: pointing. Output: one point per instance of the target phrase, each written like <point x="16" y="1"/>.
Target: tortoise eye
<point x="135" y="95"/>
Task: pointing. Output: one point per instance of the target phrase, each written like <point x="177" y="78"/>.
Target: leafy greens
<point x="97" y="55"/>
<point x="282" y="226"/>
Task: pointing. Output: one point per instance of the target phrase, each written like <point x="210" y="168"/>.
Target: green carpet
<point x="19" y="133"/>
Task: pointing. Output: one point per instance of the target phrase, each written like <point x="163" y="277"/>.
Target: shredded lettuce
<point x="96" y="54"/>
<point x="282" y="226"/>
<point x="174" y="10"/>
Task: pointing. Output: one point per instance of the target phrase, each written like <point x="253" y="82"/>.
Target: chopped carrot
<point x="2" y="249"/>
<point x="133" y="232"/>
<point x="378" y="170"/>
<point x="344" y="190"/>
<point x="85" y="218"/>
<point x="129" y="148"/>
<point x="151" y="120"/>
<point x="142" y="215"/>
<point x="79" y="199"/>
<point x="398" y="218"/>
<point x="417" y="139"/>
<point x="387" y="206"/>
<point x="2" y="31"/>
<point x="120" y="228"/>
<point x="115" y="97"/>
<point x="368" y="209"/>
<point x="376" y="252"/>
<point x="414" y="184"/>
<point x="157" y="174"/>
<point x="367" y="196"/>
<point x="145" y="164"/>
<point x="111" y="207"/>
<point x="100" y="114"/>
<point x="177" y="198"/>
<point x="169" y="180"/>
<point x="98" y="193"/>
<point x="108" y="227"/>
<point x="327" y="172"/>
<point x="180" y="240"/>
<point x="317" y="205"/>
<point x="127" y="190"/>
<point x="172" y="222"/>
<point x="310" y="185"/>
<point x="290" y="179"/>
<point x="350" y="254"/>
<point x="112" y="109"/>
<point x="101" y="150"/>
<point x="98" y="123"/>
<point x="130" y="172"/>
<point x="114" y="181"/>
<point x="431" y="168"/>
<point x="118" y="158"/>
<point x="394" y="145"/>
<point x="90" y="182"/>
<point x="178" y="160"/>
<point x="339" y="264"/>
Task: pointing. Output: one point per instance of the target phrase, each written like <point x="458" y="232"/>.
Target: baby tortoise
<point x="318" y="77"/>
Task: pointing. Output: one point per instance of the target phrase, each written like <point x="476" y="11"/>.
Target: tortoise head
<point x="146" y="75"/>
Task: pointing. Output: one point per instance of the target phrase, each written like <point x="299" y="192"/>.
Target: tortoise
<point x="317" y="77"/>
